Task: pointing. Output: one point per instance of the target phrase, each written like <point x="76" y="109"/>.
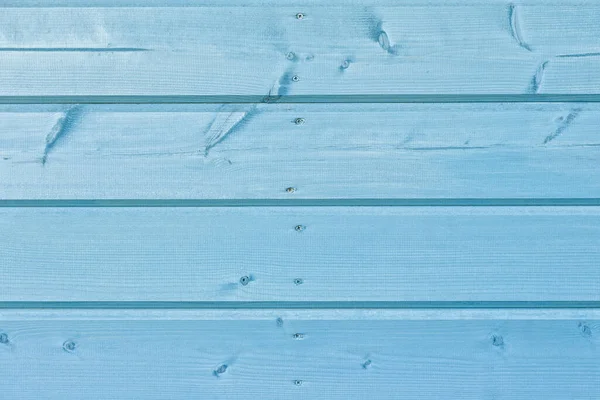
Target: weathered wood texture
<point x="59" y="358"/>
<point x="306" y="302"/>
<point x="341" y="254"/>
<point x="337" y="151"/>
<point x="351" y="48"/>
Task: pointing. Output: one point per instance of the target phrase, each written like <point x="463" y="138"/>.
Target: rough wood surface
<point x="300" y="48"/>
<point x="486" y="110"/>
<point x="300" y="254"/>
<point x="323" y="151"/>
<point x="276" y="356"/>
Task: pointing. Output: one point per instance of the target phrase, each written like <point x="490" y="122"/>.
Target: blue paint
<point x="178" y="203"/>
<point x="69" y="346"/>
<point x="298" y="305"/>
<point x="307" y="99"/>
<point x="62" y="127"/>
<point x="74" y="49"/>
<point x="428" y="169"/>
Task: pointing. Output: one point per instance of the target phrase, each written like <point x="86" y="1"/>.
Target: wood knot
<point x="69" y="346"/>
<point x="585" y="329"/>
<point x="497" y="341"/>
<point x="221" y="370"/>
<point x="384" y="40"/>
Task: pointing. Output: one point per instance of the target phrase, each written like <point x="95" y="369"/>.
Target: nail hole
<point x="69" y="346"/>
<point x="366" y="364"/>
<point x="345" y="64"/>
<point x="279" y="321"/>
<point x="3" y="338"/>
<point x="310" y="57"/>
<point x="300" y="16"/>
<point x="290" y="56"/>
<point x="295" y="78"/>
<point x="298" y="382"/>
<point x="298" y="336"/>
<point x="299" y="121"/>
<point x="244" y="280"/>
<point x="290" y="189"/>
<point x="298" y="281"/>
<point x="299" y="228"/>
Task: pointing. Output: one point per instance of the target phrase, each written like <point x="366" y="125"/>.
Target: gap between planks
<point x="297" y="305"/>
<point x="358" y="202"/>
<point x="304" y="99"/>
<point x="254" y="3"/>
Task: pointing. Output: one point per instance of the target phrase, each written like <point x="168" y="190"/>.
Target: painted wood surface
<point x="264" y="292"/>
<point x="300" y="254"/>
<point x="350" y="48"/>
<point x="497" y="150"/>
<point x="252" y="356"/>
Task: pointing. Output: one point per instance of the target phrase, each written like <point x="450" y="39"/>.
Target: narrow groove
<point x="236" y="3"/>
<point x="289" y="99"/>
<point x="579" y="55"/>
<point x="74" y="49"/>
<point x="445" y="202"/>
<point x="290" y="305"/>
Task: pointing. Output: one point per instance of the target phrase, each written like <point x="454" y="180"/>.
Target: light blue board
<point x="428" y="228"/>
<point x="318" y="355"/>
<point x="333" y="151"/>
<point x="254" y="48"/>
<point x="391" y="254"/>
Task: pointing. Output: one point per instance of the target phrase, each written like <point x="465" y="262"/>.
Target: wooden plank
<point x="337" y="151"/>
<point x="254" y="3"/>
<point x="399" y="254"/>
<point x="258" y="49"/>
<point x="394" y="358"/>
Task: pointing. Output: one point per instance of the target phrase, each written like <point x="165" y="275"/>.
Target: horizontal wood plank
<point x="259" y="357"/>
<point x="301" y="254"/>
<point x="332" y="151"/>
<point x="266" y="299"/>
<point x="267" y="50"/>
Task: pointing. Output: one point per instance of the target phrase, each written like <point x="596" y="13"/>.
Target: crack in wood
<point x="515" y="27"/>
<point x="61" y="128"/>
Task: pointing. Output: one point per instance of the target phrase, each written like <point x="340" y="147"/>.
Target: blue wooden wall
<point x="299" y="199"/>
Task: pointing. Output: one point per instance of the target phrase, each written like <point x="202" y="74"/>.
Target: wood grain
<point x="265" y="300"/>
<point x="245" y="151"/>
<point x="300" y="254"/>
<point x="157" y="358"/>
<point x="255" y="48"/>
